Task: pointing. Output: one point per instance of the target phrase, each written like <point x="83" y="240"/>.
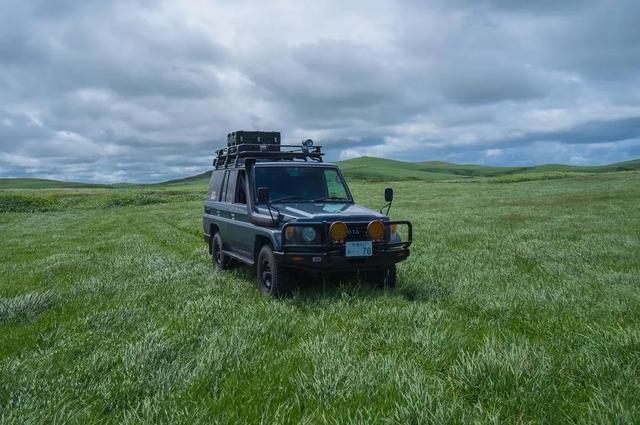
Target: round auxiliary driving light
<point x="338" y="231"/>
<point x="308" y="234"/>
<point x="375" y="230"/>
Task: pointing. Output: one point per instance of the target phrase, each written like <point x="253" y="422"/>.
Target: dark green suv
<point x="281" y="208"/>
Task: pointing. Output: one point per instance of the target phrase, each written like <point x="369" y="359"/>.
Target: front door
<point x="241" y="238"/>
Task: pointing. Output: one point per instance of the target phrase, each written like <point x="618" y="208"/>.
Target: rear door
<point x="213" y="205"/>
<point x="225" y="216"/>
<point x="232" y="214"/>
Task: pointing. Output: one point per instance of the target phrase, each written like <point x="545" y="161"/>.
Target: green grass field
<point x="520" y="304"/>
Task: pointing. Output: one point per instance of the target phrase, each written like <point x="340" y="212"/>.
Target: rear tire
<point x="383" y="278"/>
<point x="219" y="260"/>
<point x="272" y="279"/>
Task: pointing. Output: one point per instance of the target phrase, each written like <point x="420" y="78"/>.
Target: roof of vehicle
<point x="295" y="164"/>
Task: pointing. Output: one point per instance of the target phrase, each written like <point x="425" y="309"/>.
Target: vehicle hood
<point x="330" y="211"/>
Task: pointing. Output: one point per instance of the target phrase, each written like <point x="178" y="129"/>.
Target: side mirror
<point x="263" y="195"/>
<point x="388" y="195"/>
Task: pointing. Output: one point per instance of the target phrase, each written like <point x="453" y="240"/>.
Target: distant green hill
<point x="376" y="169"/>
<point x="380" y="169"/>
<point x="632" y="165"/>
<point x="474" y="170"/>
<point x="11" y="183"/>
<point x="364" y="168"/>
<point x="468" y="170"/>
<point x="198" y="178"/>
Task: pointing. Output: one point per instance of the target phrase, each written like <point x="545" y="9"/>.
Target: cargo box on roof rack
<point x="253" y="138"/>
<point x="263" y="146"/>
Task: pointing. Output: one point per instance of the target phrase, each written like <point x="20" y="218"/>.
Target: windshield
<point x="302" y="184"/>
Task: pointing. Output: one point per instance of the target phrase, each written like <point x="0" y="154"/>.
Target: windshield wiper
<point x="330" y="198"/>
<point x="288" y="198"/>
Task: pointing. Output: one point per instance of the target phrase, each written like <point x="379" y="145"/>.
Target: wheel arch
<point x="260" y="241"/>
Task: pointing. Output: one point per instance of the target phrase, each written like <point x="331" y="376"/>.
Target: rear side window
<point x="214" y="185"/>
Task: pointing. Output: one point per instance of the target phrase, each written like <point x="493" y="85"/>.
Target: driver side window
<point x="335" y="185"/>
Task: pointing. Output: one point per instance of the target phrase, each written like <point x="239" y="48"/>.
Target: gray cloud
<point x="603" y="43"/>
<point x="146" y="90"/>
<point x="595" y="132"/>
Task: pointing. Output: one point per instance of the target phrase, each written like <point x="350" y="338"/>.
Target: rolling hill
<point x="474" y="170"/>
<point x="198" y="178"/>
<point x="380" y="169"/>
<point x="28" y="183"/>
<point x="376" y="169"/>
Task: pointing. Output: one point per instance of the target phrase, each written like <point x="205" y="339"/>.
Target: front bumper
<point x="328" y="256"/>
<point x="331" y="261"/>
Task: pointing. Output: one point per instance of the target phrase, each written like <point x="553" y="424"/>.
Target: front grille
<point x="357" y="232"/>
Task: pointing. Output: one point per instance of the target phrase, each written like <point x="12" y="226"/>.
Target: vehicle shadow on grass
<point x="309" y="288"/>
<point x="329" y="287"/>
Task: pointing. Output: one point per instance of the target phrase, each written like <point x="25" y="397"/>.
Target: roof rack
<point x="232" y="156"/>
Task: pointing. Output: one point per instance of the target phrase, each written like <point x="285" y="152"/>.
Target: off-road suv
<point x="281" y="208"/>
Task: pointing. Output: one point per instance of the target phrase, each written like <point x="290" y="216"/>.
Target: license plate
<point x="359" y="249"/>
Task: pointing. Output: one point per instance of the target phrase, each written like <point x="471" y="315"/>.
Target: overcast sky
<point x="145" y="90"/>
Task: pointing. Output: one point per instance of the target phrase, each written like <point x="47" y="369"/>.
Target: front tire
<point x="219" y="260"/>
<point x="272" y="278"/>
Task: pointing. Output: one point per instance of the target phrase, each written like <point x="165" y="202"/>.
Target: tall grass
<point x="32" y="201"/>
<point x="520" y="303"/>
<point x="25" y="306"/>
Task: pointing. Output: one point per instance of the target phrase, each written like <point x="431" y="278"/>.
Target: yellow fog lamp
<point x="338" y="231"/>
<point x="375" y="230"/>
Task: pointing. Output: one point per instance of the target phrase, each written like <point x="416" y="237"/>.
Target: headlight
<point x="308" y="234"/>
<point x="290" y="233"/>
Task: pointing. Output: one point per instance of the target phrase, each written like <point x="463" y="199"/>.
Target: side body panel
<point x="226" y="210"/>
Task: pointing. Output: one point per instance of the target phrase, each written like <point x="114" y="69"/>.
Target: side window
<point x="214" y="185"/>
<point x="223" y="187"/>
<point x="241" y="194"/>
<point x="230" y="192"/>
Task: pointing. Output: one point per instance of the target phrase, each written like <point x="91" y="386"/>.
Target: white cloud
<point x="147" y="90"/>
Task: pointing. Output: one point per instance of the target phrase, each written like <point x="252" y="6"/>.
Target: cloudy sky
<point x="145" y="90"/>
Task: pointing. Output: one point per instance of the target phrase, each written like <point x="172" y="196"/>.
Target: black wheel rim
<point x="266" y="274"/>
